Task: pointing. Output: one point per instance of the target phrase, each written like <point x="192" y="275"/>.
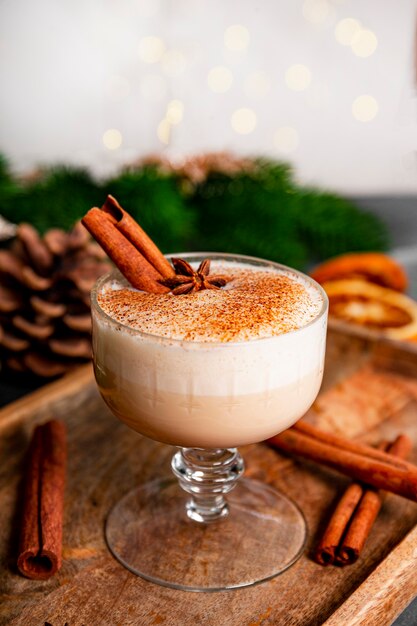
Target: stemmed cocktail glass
<point x="207" y="529"/>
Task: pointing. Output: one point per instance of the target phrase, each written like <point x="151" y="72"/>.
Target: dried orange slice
<point x="374" y="307"/>
<point x="374" y="267"/>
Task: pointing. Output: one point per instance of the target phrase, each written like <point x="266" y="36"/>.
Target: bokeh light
<point x="364" y="43"/>
<point x="286" y="139"/>
<point x="151" y="49"/>
<point x="236" y="37"/>
<point x="175" y="112"/>
<point x="220" y="79"/>
<point x="244" y="121"/>
<point x="164" y="131"/>
<point x="365" y="108"/>
<point x="257" y="85"/>
<point x="298" y="77"/>
<point x="346" y="30"/>
<point x="112" y="139"/>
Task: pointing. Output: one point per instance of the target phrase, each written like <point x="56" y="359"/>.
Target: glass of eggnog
<point x="206" y="372"/>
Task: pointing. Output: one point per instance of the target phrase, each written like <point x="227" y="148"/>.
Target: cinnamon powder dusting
<point x="254" y="304"/>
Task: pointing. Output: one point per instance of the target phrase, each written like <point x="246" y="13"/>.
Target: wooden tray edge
<point x="373" y="336"/>
<point x="385" y="593"/>
<point x="51" y="392"/>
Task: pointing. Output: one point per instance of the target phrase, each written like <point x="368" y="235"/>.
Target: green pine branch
<point x="154" y="200"/>
<point x="251" y="213"/>
<point x="56" y="197"/>
<point x="330" y="225"/>
<point x="261" y="212"/>
<point x="9" y="188"/>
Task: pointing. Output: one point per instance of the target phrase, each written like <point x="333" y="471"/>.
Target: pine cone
<point x="45" y="283"/>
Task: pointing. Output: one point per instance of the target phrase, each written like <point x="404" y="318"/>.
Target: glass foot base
<point x="149" y="532"/>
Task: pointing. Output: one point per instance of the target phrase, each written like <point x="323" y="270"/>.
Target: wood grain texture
<point x="391" y="579"/>
<point x="106" y="460"/>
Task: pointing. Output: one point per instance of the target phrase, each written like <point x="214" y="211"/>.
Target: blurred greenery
<point x="154" y="200"/>
<point x="9" y="188"/>
<point x="260" y="211"/>
<point x="54" y="197"/>
<point x="330" y="225"/>
<point x="253" y="213"/>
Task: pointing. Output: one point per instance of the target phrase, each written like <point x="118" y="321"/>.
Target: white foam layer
<point x="222" y="370"/>
<point x="208" y="395"/>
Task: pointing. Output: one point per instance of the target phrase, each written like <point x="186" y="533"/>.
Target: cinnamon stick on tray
<point x="128" y="246"/>
<point x="373" y="467"/>
<point x="353" y="518"/>
<point x="40" y="549"/>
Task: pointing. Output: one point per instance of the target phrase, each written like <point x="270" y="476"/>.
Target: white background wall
<point x="73" y="70"/>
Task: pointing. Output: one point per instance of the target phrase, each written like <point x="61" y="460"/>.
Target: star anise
<point x="189" y="280"/>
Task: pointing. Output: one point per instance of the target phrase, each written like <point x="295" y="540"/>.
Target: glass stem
<point x="207" y="475"/>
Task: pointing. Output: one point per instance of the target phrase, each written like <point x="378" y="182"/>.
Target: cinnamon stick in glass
<point x="40" y="547"/>
<point x="137" y="236"/>
<point x="130" y="261"/>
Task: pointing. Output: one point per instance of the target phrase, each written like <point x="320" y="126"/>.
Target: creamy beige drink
<point x="217" y="368"/>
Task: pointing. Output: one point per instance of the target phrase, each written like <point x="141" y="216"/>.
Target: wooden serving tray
<point x="369" y="392"/>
